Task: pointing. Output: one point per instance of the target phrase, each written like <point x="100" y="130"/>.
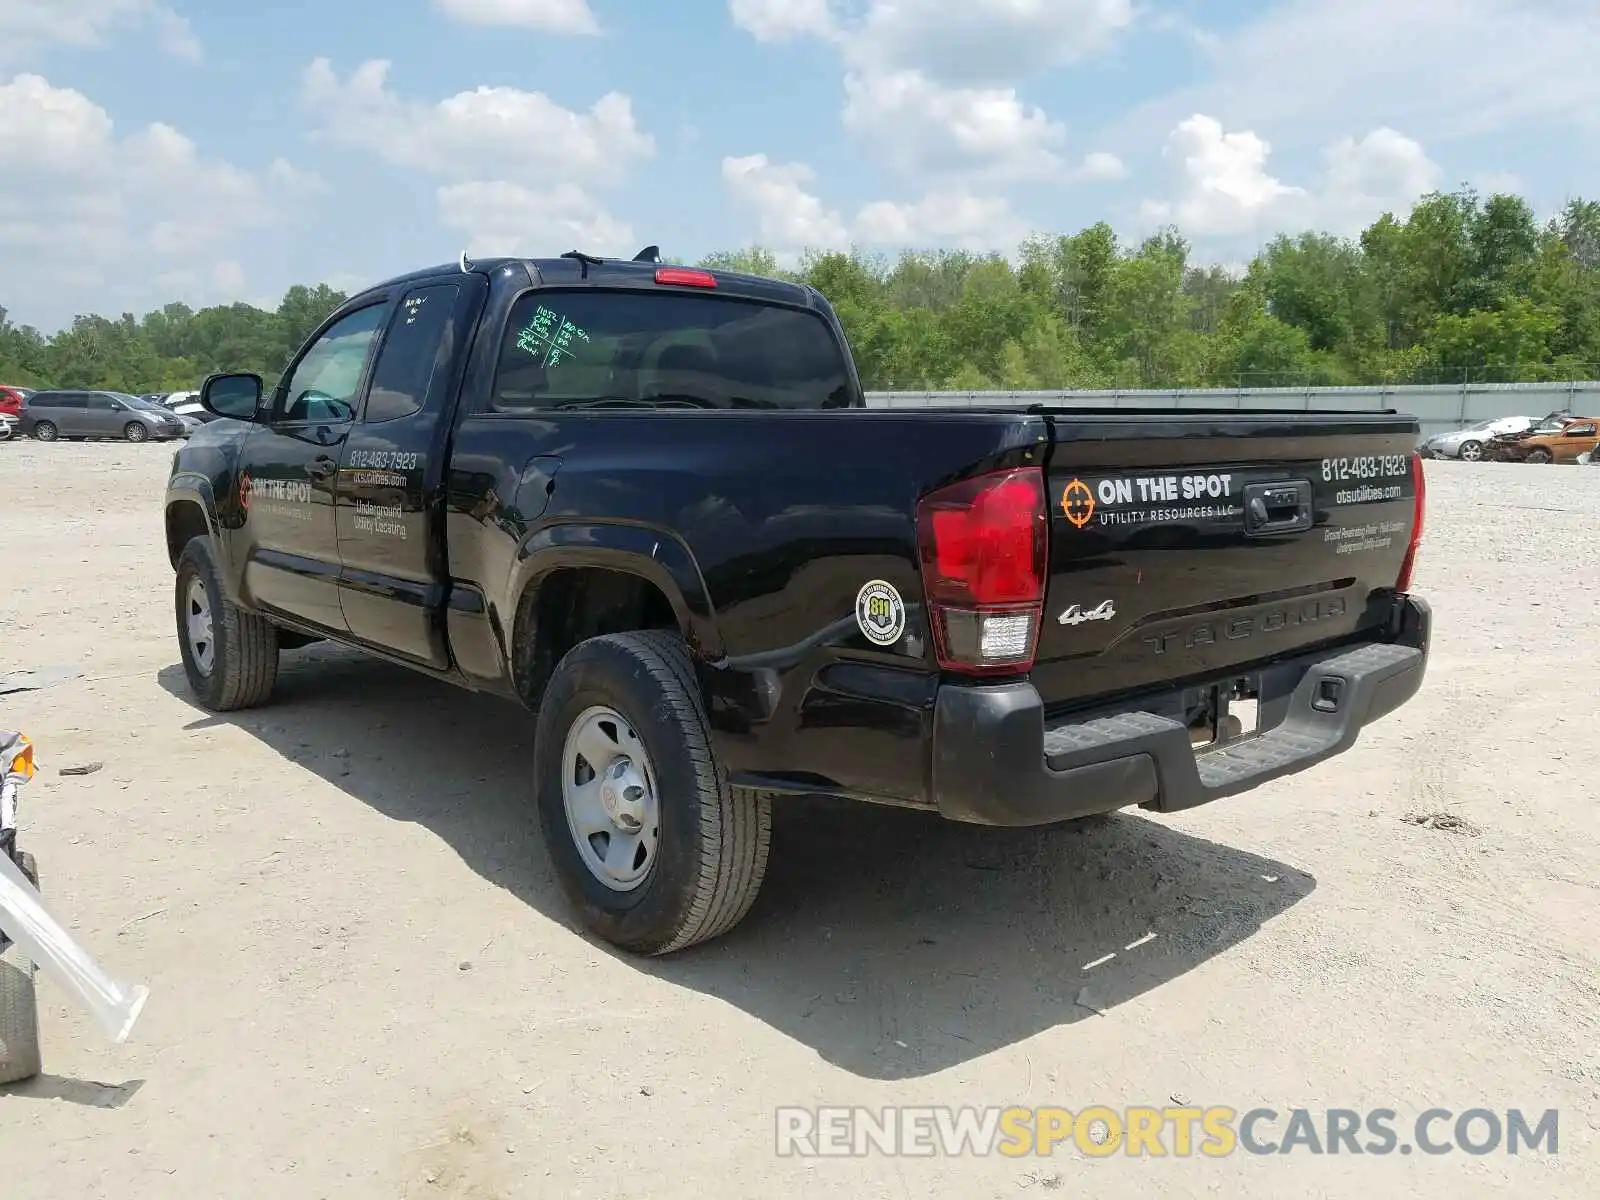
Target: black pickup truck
<point x="650" y="504"/>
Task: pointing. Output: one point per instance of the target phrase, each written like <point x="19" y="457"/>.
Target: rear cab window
<point x="591" y="346"/>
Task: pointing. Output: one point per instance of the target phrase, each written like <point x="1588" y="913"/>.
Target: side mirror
<point x="234" y="396"/>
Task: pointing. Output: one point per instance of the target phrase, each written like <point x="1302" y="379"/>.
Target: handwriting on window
<point x="550" y="337"/>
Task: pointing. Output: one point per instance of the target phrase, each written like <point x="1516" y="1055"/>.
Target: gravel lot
<point x="363" y="984"/>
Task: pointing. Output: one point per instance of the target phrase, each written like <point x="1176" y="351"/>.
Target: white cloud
<point x="572" y="18"/>
<point x="925" y="128"/>
<point x="525" y="133"/>
<point x="110" y="214"/>
<point x="783" y="20"/>
<point x="930" y="85"/>
<point x="26" y="25"/>
<point x="1225" y="188"/>
<point x="788" y="215"/>
<point x="506" y="218"/>
<point x="985" y="41"/>
<point x="956" y="220"/>
<point x="1101" y="167"/>
<point x="1439" y="68"/>
<point x="505" y="152"/>
<point x="1225" y="185"/>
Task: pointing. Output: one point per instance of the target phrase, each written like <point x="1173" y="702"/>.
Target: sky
<point x="210" y="151"/>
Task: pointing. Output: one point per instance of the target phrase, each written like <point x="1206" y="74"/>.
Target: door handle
<point x="321" y="467"/>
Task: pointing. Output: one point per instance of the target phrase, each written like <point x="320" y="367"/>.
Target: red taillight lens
<point x="686" y="277"/>
<point x="1408" y="567"/>
<point x="984" y="545"/>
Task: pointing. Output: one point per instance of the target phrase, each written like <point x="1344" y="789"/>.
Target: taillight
<point x="984" y="545"/>
<point x="1419" y="510"/>
<point x="686" y="277"/>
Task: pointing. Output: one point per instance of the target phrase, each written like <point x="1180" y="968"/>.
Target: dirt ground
<point x="364" y="985"/>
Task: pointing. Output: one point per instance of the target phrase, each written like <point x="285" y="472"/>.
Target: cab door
<point x="391" y="547"/>
<point x="1577" y="440"/>
<point x="286" y="481"/>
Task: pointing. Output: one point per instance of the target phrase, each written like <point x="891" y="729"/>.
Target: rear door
<point x="392" y="561"/>
<point x="66" y="410"/>
<point x="1186" y="544"/>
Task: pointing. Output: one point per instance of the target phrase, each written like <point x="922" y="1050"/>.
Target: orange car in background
<point x="1576" y="435"/>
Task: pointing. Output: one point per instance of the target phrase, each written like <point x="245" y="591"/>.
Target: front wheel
<point x="136" y="431"/>
<point x="230" y="656"/>
<point x="1540" y="455"/>
<point x="46" y="431"/>
<point x="650" y="843"/>
<point x="1471" y="451"/>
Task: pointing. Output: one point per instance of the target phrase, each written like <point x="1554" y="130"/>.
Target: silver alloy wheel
<point x="136" y="432"/>
<point x="608" y="789"/>
<point x="199" y="626"/>
<point x="1471" y="451"/>
<point x="45" y="431"/>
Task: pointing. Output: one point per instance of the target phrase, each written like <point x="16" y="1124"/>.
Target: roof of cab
<point x="591" y="270"/>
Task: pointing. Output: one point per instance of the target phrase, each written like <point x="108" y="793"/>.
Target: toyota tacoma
<point x="650" y="504"/>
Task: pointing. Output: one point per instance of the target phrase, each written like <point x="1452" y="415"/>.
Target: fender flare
<point x="656" y="555"/>
<point x="191" y="487"/>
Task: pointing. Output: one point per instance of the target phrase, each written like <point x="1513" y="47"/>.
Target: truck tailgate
<point x="1184" y="544"/>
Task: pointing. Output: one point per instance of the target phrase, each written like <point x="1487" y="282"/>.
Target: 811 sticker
<point x="1380" y="466"/>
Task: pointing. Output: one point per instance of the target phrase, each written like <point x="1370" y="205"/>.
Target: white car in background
<point x="1467" y="444"/>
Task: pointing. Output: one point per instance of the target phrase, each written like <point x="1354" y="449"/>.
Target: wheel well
<point x="569" y="605"/>
<point x="185" y="520"/>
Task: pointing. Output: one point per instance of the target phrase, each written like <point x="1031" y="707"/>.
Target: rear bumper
<point x="996" y="763"/>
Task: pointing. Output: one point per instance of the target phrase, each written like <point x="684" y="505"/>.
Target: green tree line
<point x="1464" y="288"/>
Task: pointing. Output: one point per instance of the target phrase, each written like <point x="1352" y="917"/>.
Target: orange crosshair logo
<point x="244" y="491"/>
<point x="1077" y="501"/>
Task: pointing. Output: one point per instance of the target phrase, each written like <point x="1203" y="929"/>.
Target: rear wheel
<point x="1471" y="451"/>
<point x="135" y="431"/>
<point x="1540" y="455"/>
<point x="650" y="843"/>
<point x="230" y="656"/>
<point x="20" y="1056"/>
<point x="46" y="431"/>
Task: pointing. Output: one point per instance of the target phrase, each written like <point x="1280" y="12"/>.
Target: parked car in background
<point x="8" y="427"/>
<point x="193" y="410"/>
<point x="13" y="399"/>
<point x="1467" y="444"/>
<point x="174" y="399"/>
<point x="74" y="413"/>
<point x="1542" y="444"/>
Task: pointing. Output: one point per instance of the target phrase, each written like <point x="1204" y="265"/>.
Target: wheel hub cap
<point x="609" y="793"/>
<point x="198" y="626"/>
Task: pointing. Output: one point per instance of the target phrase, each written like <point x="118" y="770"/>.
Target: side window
<point x="71" y="400"/>
<point x="324" y="383"/>
<point x="1586" y="430"/>
<point x="421" y="341"/>
<point x="100" y="402"/>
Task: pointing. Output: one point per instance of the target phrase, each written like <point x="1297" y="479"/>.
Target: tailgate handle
<point x="1280" y="507"/>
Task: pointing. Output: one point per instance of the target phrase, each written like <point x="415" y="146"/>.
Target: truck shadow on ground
<point x="895" y="944"/>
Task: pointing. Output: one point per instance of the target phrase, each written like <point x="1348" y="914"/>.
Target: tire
<point x="20" y="1056"/>
<point x="1470" y="452"/>
<point x="1540" y="456"/>
<point x="136" y="431"/>
<point x="46" y="431"/>
<point x="235" y="667"/>
<point x="706" y="865"/>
